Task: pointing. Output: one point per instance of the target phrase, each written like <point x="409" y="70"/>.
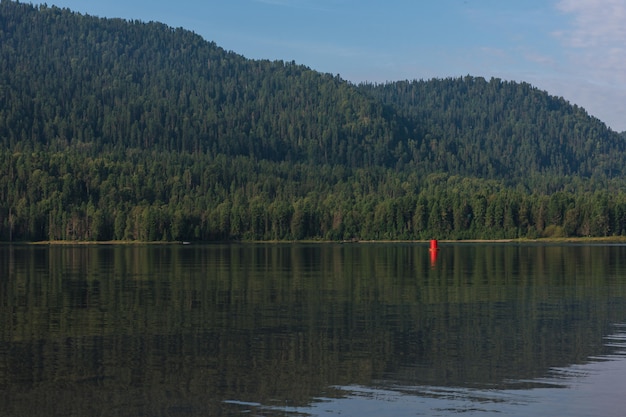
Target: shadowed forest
<point x="125" y="130"/>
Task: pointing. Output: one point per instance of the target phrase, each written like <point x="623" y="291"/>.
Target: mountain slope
<point x="122" y="130"/>
<point x="502" y="129"/>
<point x="119" y="84"/>
<point x="115" y="84"/>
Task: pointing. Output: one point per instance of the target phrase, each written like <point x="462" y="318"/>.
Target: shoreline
<point x="568" y="240"/>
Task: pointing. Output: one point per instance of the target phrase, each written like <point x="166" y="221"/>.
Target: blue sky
<point x="571" y="48"/>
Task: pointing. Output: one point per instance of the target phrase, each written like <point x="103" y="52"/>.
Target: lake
<point x="313" y="329"/>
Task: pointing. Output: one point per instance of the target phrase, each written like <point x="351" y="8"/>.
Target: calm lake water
<point x="320" y="330"/>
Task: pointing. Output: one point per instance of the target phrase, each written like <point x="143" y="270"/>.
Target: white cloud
<point x="596" y="22"/>
<point x="595" y="44"/>
<point x="540" y="59"/>
<point x="297" y="4"/>
<point x="597" y="38"/>
<point x="290" y="3"/>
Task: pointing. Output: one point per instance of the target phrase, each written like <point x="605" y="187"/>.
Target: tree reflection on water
<point x="221" y="329"/>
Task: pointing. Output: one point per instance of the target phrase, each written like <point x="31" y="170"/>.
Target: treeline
<point x="180" y="196"/>
<point x="111" y="129"/>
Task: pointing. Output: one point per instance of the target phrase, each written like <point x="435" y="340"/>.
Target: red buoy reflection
<point x="434" y="251"/>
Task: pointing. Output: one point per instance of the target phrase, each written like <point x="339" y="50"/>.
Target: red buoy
<point x="434" y="245"/>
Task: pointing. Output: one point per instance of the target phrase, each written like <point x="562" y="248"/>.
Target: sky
<point x="575" y="49"/>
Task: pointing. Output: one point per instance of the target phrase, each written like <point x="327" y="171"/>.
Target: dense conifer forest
<point x="126" y="130"/>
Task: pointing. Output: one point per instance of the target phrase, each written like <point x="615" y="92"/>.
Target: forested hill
<point x="115" y="129"/>
<point x="116" y="84"/>
<point x="502" y="129"/>
<point x="69" y="78"/>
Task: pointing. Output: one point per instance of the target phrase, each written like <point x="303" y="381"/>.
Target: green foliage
<point x="500" y="129"/>
<point x="122" y="130"/>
